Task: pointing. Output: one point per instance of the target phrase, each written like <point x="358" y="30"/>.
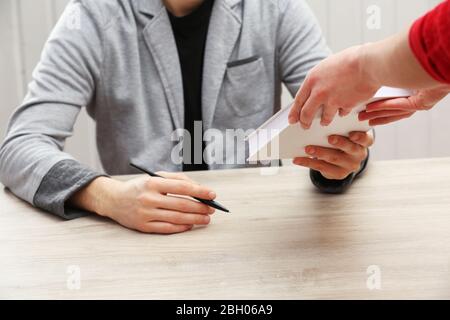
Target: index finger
<point x="300" y="99"/>
<point x="184" y="188"/>
<point x="310" y="109"/>
<point x="364" y="115"/>
<point x="175" y="176"/>
<point x="391" y="104"/>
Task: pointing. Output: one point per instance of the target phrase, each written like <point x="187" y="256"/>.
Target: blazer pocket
<point x="244" y="88"/>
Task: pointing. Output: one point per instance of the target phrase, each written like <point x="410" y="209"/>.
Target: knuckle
<point x="306" y="113"/>
<point x="155" y="201"/>
<point x="327" y="116"/>
<point x="354" y="149"/>
<point x="177" y="175"/>
<point x="339" y="141"/>
<point x="346" y="108"/>
<point x="149" y="183"/>
<point x="321" y="93"/>
<point x="166" y="229"/>
<point x="196" y="189"/>
<point x="330" y="110"/>
<point x="203" y="208"/>
<point x="334" y="103"/>
<point x="199" y="220"/>
<point x="334" y="158"/>
<point x="143" y="227"/>
<point x="312" y="78"/>
<point x="174" y="217"/>
<point x="146" y="201"/>
<point x="319" y="153"/>
<point x="141" y="199"/>
<point x="155" y="183"/>
<point x="184" y="187"/>
<point x="183" y="176"/>
<point x="195" y="207"/>
<point x="139" y="214"/>
<point x="185" y="206"/>
<point x="201" y="191"/>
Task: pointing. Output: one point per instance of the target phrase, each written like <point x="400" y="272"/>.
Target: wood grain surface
<point x="283" y="240"/>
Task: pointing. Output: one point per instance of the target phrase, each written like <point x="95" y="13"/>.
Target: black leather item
<point x="336" y="186"/>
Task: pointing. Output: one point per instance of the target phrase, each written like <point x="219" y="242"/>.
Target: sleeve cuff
<point x="62" y="181"/>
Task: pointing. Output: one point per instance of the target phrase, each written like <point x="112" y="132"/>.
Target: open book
<point x="276" y="139"/>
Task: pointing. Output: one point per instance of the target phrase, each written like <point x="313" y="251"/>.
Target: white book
<point x="277" y="139"/>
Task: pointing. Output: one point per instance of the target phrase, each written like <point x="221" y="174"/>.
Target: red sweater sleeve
<point x="429" y="39"/>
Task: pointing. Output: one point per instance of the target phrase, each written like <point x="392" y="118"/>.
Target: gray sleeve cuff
<point x="62" y="181"/>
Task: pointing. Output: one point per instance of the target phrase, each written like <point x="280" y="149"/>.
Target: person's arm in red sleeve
<point x="429" y="39"/>
<point x="417" y="59"/>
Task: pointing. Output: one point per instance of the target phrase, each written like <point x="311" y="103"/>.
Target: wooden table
<point x="284" y="240"/>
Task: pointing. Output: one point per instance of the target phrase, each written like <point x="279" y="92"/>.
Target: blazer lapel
<point x="224" y="29"/>
<point x="160" y="41"/>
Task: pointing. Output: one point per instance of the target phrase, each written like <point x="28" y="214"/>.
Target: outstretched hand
<point x="337" y="85"/>
<point x="388" y="111"/>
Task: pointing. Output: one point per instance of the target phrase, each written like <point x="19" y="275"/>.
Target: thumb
<point x="427" y="99"/>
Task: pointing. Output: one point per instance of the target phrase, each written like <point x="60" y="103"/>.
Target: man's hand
<point x="343" y="160"/>
<point x="384" y="112"/>
<point x="147" y="204"/>
<point x="337" y="84"/>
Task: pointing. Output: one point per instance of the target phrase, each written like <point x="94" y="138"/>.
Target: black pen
<point x="210" y="203"/>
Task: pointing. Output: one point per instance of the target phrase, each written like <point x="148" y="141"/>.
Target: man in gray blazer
<point x="145" y="69"/>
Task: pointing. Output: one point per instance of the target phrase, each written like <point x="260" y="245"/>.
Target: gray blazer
<point x="118" y="58"/>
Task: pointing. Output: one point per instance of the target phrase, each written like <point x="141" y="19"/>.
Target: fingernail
<point x="206" y="219"/>
<point x="299" y="162"/>
<point x="324" y="123"/>
<point x="212" y="195"/>
<point x="333" y="140"/>
<point x="355" y="137"/>
<point x="292" y="120"/>
<point x="310" y="150"/>
<point x="211" y="210"/>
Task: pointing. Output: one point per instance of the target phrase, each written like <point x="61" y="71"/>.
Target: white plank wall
<point x="25" y="25"/>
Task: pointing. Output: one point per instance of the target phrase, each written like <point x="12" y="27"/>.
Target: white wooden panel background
<point x="25" y="25"/>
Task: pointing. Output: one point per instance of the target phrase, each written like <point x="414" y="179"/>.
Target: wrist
<point x="370" y="67"/>
<point x="97" y="196"/>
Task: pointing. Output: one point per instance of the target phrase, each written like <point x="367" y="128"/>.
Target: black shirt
<point x="190" y="36"/>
